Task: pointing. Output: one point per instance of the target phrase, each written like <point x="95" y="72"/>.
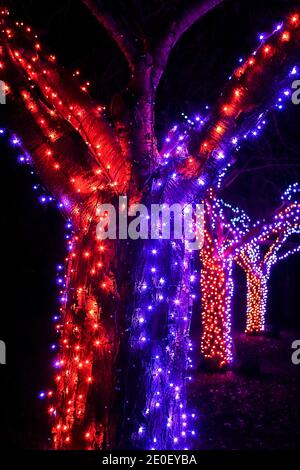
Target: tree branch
<point x="174" y="32"/>
<point x="278" y="226"/>
<point x="117" y="28"/>
<point x="72" y="104"/>
<point x="21" y="121"/>
<point x="250" y="93"/>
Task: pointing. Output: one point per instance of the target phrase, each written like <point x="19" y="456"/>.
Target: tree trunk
<point x="216" y="294"/>
<point x="84" y="408"/>
<point x="133" y="115"/>
<point x="159" y="342"/>
<point x="257" y="293"/>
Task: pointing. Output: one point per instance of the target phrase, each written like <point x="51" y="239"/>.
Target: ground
<point x="255" y="407"/>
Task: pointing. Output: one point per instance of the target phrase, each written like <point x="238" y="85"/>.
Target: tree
<point x="260" y="253"/>
<point x="112" y="364"/>
<point x="230" y="236"/>
<point x="225" y="228"/>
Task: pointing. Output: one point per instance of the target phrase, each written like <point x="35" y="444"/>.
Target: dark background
<point x="32" y="235"/>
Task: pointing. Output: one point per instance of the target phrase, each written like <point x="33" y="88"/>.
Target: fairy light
<point x="220" y="136"/>
<point x="68" y="350"/>
<point x="169" y="359"/>
<point x="227" y="237"/>
<point x="41" y="71"/>
<point x="78" y="323"/>
<point x="257" y="264"/>
<point x="224" y="225"/>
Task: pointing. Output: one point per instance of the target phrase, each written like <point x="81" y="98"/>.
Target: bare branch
<point x="176" y="29"/>
<point x="117" y="28"/>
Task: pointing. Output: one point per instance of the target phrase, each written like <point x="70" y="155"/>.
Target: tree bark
<point x="159" y="346"/>
<point x="85" y="407"/>
<point x="133" y="114"/>
<point x="257" y="294"/>
<point x="216" y="295"/>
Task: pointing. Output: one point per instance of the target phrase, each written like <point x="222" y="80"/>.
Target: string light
<point x="257" y="263"/>
<point x="224" y="226"/>
<point x="229" y="235"/>
<point x="79" y="324"/>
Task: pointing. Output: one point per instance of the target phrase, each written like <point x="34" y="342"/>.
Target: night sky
<point x="32" y="235"/>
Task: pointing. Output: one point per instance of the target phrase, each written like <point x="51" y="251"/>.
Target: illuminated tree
<point x="126" y="307"/>
<point x="229" y="236"/>
<point x="260" y="253"/>
<point x="225" y="228"/>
